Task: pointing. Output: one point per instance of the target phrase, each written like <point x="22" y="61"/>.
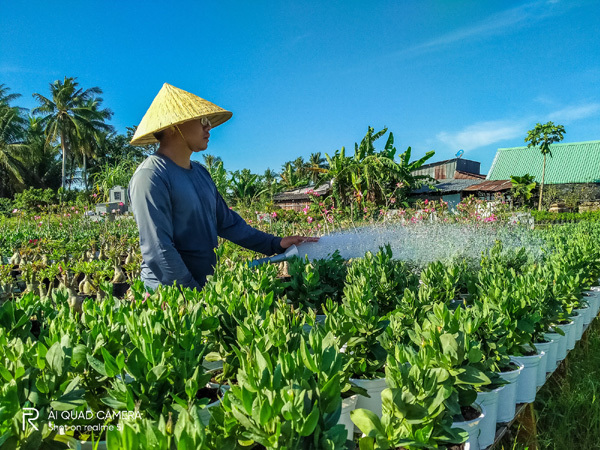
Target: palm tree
<point x="43" y="168"/>
<point x="210" y="161"/>
<point x="12" y="132"/>
<point x="246" y="186"/>
<point x="68" y="116"/>
<point x="317" y="166"/>
<point x="543" y="136"/>
<point x="299" y="166"/>
<point x="289" y="177"/>
<point x="93" y="134"/>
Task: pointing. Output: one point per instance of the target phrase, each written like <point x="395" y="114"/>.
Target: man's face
<point x="196" y="134"/>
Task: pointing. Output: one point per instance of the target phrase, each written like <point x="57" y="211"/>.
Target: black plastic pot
<point x="120" y="289"/>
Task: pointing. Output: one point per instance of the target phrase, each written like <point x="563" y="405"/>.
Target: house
<point x="489" y="188"/>
<point x="573" y="163"/>
<point x="454" y="169"/>
<point x="572" y="171"/>
<point x="451" y="191"/>
<point x="452" y="177"/>
<point x="299" y="198"/>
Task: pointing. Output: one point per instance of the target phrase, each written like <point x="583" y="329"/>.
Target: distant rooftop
<point x="450" y="186"/>
<point x="576" y="162"/>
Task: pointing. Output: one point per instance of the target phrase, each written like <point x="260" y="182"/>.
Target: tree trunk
<point x="63" y="147"/>
<point x="84" y="172"/>
<point x="542" y="184"/>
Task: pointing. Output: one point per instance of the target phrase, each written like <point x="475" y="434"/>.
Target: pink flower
<point x="249" y="220"/>
<point x="426" y="201"/>
<point x="392" y="200"/>
<point x="15" y="211"/>
<point x="330" y="219"/>
<point x="273" y="214"/>
<point x="365" y="209"/>
<point x="94" y="195"/>
<point x="121" y="204"/>
<point x="146" y="296"/>
<point x="309" y="219"/>
<point x="72" y="208"/>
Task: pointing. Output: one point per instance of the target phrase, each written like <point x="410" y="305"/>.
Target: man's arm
<point x="151" y="203"/>
<point x="233" y="228"/>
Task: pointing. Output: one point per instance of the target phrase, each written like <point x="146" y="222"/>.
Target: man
<point x="176" y="205"/>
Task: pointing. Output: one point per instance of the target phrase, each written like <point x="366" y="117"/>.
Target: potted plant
<point x="284" y="400"/>
<point x="359" y="327"/>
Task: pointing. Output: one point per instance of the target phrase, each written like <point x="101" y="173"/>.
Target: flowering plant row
<point x="438" y="335"/>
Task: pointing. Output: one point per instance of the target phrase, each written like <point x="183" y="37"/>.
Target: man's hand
<point x="288" y="241"/>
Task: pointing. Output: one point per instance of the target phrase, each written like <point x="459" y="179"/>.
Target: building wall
<point x="291" y="205"/>
<point x="444" y="171"/>
<point x="466" y="165"/>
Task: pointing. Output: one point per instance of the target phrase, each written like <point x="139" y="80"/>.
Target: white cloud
<point x="576" y="112"/>
<point x="495" y="24"/>
<point x="481" y="134"/>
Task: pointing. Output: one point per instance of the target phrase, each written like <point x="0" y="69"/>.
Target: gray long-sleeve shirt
<point x="180" y="213"/>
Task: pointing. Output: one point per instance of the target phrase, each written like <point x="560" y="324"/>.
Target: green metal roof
<point x="578" y="162"/>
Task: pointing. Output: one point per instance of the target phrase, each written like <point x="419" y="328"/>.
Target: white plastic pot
<point x="507" y="401"/>
<point x="487" y="425"/>
<point x="348" y="405"/>
<point x="578" y="319"/>
<point x="544" y="348"/>
<point x="570" y="331"/>
<point x="552" y="361"/>
<point x="585" y="314"/>
<point x="374" y="388"/>
<point x="594" y="300"/>
<point x="472" y="427"/>
<point x="526" y="387"/>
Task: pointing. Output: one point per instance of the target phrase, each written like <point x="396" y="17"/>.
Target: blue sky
<point x="308" y="76"/>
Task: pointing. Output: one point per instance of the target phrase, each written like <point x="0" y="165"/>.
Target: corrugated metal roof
<point x="460" y="175"/>
<point x="446" y="187"/>
<point x="302" y="193"/>
<point x="491" y="186"/>
<point x="577" y="162"/>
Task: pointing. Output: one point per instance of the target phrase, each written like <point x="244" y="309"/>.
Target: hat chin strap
<point x="184" y="139"/>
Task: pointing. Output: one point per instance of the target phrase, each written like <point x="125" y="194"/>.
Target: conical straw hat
<point x="173" y="106"/>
